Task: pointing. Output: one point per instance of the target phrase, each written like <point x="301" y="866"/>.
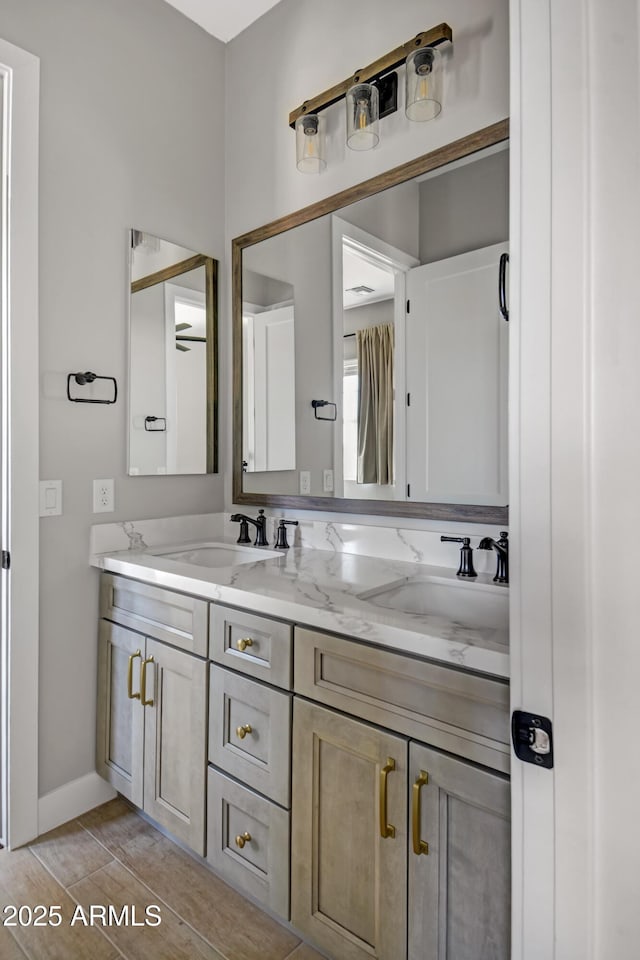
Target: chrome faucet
<point x="260" y="523"/>
<point x="501" y="547"/>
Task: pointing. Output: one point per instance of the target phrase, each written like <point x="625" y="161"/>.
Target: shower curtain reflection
<point x="375" y="350"/>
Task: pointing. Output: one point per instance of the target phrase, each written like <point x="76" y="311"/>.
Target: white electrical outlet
<point x="305" y="481"/>
<point x="327" y="481"/>
<point x="103" y="497"/>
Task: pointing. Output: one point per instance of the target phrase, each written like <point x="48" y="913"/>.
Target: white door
<point x="274" y="393"/>
<point x="3" y="585"/>
<point x="186" y="377"/>
<point x="19" y="435"/>
<point x="457" y="382"/>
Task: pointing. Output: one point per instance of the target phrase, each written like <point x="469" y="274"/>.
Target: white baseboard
<point x="72" y="800"/>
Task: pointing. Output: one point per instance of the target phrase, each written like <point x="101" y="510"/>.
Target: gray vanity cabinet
<point x="175" y="743"/>
<point x="459" y="854"/>
<point x="322" y="802"/>
<point x="152" y="722"/>
<point x="249" y="795"/>
<point x="363" y="813"/>
<point x="120" y="743"/>
<point x="349" y="835"/>
<point x="437" y="886"/>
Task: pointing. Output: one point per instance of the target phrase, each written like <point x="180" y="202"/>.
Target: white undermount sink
<point x="470" y="605"/>
<point x="215" y="554"/>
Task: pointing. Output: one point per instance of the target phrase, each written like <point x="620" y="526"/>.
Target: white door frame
<point x="400" y="262"/>
<point x="550" y="509"/>
<point x="532" y="858"/>
<point x="20" y="399"/>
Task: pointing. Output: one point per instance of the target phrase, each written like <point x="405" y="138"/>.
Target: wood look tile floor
<point x="111" y="856"/>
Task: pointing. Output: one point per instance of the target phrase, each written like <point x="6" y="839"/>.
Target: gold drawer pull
<point x="243" y="838"/>
<point x="130" y="693"/>
<point x="386" y="829"/>
<point x="243" y="643"/>
<point x="244" y="730"/>
<point x="419" y="846"/>
<point x="143" y="683"/>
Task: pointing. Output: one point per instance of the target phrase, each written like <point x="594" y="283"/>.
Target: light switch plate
<point x="305" y="481"/>
<point x="327" y="481"/>
<point x="50" y="498"/>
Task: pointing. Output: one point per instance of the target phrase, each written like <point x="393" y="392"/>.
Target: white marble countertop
<point x="320" y="588"/>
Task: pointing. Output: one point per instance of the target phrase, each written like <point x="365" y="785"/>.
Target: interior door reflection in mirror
<point x="397" y="322"/>
<point x="172" y="359"/>
<point x="268" y="373"/>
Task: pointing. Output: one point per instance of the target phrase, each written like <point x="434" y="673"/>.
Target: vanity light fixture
<point x="423" y="84"/>
<point x="371" y="94"/>
<point x="363" y="113"/>
<point x="310" y="143"/>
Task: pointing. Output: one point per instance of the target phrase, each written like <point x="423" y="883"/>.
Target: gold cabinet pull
<point x="243" y="643"/>
<point x="244" y="730"/>
<point x="386" y="829"/>
<point x="130" y="693"/>
<point x="143" y="683"/>
<point x="419" y="846"/>
<point x="243" y="838"/>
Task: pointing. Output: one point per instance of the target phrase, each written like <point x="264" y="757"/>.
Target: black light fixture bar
<point x="428" y="38"/>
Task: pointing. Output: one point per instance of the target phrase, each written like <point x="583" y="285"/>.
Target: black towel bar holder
<point x="82" y="379"/>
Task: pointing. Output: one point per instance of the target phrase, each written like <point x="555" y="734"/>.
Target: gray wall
<point x="304" y="47"/>
<point x="264" y="184"/>
<point x="465" y="209"/>
<point x="302" y="258"/>
<point x="392" y="216"/>
<point x="131" y="134"/>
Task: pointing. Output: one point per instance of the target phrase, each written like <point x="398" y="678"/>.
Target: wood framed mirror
<point x="173" y="382"/>
<point x="437" y="228"/>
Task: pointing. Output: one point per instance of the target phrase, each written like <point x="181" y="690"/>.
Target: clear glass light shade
<point x="311" y="143"/>
<point x="363" y="114"/>
<point x="423" y="100"/>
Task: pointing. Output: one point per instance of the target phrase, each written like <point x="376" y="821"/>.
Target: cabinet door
<point x="175" y="758"/>
<point x="348" y="883"/>
<point x="120" y="727"/>
<point x="459" y="891"/>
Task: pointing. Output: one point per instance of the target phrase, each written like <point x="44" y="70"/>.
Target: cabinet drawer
<point x="250" y="733"/>
<point x="455" y="711"/>
<point x="260" y="865"/>
<point x="257" y="646"/>
<point x="162" y="614"/>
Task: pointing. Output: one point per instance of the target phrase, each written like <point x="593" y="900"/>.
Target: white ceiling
<point x="357" y="270"/>
<point x="223" y="19"/>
